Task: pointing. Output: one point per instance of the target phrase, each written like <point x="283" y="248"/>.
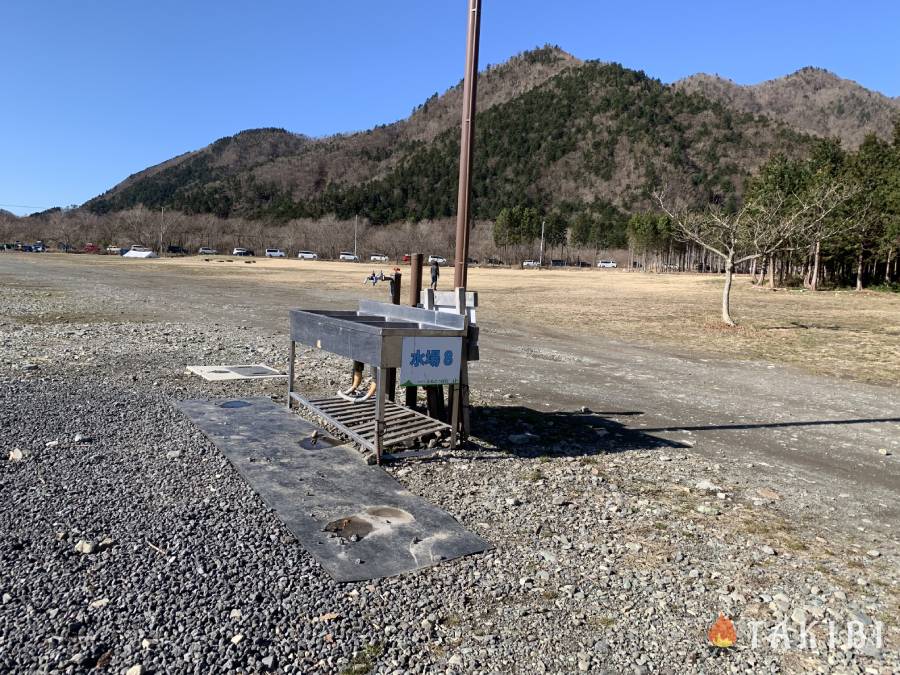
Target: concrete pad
<point x="354" y="519"/>
<point x="258" y="371"/>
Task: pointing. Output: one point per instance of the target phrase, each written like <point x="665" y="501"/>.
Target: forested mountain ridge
<point x="811" y="100"/>
<point x="551" y="132"/>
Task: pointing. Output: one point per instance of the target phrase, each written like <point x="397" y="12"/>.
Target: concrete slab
<point x="355" y="519"/>
<point x="257" y="371"/>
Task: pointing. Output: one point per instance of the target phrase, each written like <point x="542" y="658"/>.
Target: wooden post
<point x="415" y="290"/>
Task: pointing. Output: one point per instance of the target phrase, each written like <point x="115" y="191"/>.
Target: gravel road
<point x="129" y="544"/>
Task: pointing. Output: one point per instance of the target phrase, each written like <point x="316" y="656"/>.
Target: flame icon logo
<point x="722" y="634"/>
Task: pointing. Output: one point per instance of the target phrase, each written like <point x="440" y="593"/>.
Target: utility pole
<point x="467" y="133"/>
<point x="541" y="260"/>
<point x="355" y="230"/>
<point x="162" y="224"/>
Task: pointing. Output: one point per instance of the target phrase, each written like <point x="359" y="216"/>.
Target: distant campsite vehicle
<point x="176" y="250"/>
<point x="39" y="247"/>
<point x="439" y="259"/>
<point x="378" y="257"/>
<point x="348" y="256"/>
<point x="242" y="252"/>
<point x="307" y="255"/>
<point x="206" y="250"/>
<point x="493" y="261"/>
<point x="91" y="248"/>
<point x="557" y="262"/>
<point x="530" y="264"/>
<point x="607" y="263"/>
<point x="140" y="252"/>
<point x="114" y="250"/>
<point x="274" y="253"/>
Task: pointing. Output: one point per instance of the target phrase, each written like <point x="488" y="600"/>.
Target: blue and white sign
<point x="430" y="360"/>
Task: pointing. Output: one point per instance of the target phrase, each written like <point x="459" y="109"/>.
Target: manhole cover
<point x="234" y="404"/>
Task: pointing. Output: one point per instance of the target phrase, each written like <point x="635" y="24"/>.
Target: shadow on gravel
<point x="778" y="425"/>
<point x="524" y="432"/>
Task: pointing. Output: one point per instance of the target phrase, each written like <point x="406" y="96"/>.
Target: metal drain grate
<point x="357" y="420"/>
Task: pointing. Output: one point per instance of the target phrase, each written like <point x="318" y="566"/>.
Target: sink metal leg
<point x="379" y="411"/>
<point x="290" y="377"/>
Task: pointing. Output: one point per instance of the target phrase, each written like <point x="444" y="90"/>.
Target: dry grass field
<point x="841" y="333"/>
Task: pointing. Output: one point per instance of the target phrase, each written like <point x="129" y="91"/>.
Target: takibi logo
<point x="722" y="633"/>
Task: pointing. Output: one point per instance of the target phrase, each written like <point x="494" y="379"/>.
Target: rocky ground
<point x="129" y="544"/>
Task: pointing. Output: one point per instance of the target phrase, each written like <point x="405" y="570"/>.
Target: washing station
<point x="426" y="346"/>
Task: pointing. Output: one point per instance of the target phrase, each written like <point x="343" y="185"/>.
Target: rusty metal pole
<point x="466" y="138"/>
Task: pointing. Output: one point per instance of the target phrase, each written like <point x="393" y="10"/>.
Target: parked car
<point x="206" y="250"/>
<point x="378" y="257"/>
<point x="557" y="262"/>
<point x="307" y="255"/>
<point x="27" y="248"/>
<point x="530" y="264"/>
<point x="140" y="252"/>
<point x="39" y="247"/>
<point x="243" y="252"/>
<point x="348" y="256"/>
<point x="91" y="248"/>
<point x="176" y="250"/>
<point x="274" y="253"/>
<point x="113" y="250"/>
<point x="407" y="258"/>
<point x="439" y="259"/>
<point x="607" y="263"/>
<point x="493" y="261"/>
<point x="471" y="261"/>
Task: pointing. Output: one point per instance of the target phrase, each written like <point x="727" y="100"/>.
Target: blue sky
<point x="92" y="91"/>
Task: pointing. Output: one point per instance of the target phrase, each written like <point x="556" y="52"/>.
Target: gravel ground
<point x="128" y="543"/>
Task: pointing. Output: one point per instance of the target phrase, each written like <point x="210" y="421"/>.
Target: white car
<point x="530" y="264"/>
<point x="439" y="259"/>
<point x="379" y="257"/>
<point x="274" y="253"/>
<point x="206" y="250"/>
<point x="307" y="255"/>
<point x="240" y="251"/>
<point x="348" y="256"/>
<point x="140" y="252"/>
<point x="607" y="263"/>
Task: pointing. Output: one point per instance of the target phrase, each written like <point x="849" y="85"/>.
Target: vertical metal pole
<point x="355" y="229"/>
<point x="467" y="134"/>
<point x="291" y="358"/>
<point x="379" y="412"/>
<point x="415" y="291"/>
<point x="391" y="379"/>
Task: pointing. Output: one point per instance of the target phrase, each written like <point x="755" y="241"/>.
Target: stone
<point x="16" y="455"/>
<point x="873" y="553"/>
<point x="455" y="660"/>
<point x="236" y="639"/>
<point x="80" y="438"/>
<point x="884" y="451"/>
<point x="85" y="547"/>
<point x="51" y="444"/>
<point x="633" y="546"/>
<point x="559" y="500"/>
<point x="136" y="669"/>
<point x="268" y="662"/>
<point x="7" y="598"/>
<point x="100" y="603"/>
<point x="707" y="486"/>
<point x="707" y="510"/>
<point x="235" y="614"/>
<point x="798" y="616"/>
<point x="767" y="494"/>
<point x="173" y="454"/>
<point x="513" y="501"/>
<point x="767" y="550"/>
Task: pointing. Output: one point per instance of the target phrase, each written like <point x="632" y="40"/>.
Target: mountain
<point x="812" y="101"/>
<point x="552" y="131"/>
